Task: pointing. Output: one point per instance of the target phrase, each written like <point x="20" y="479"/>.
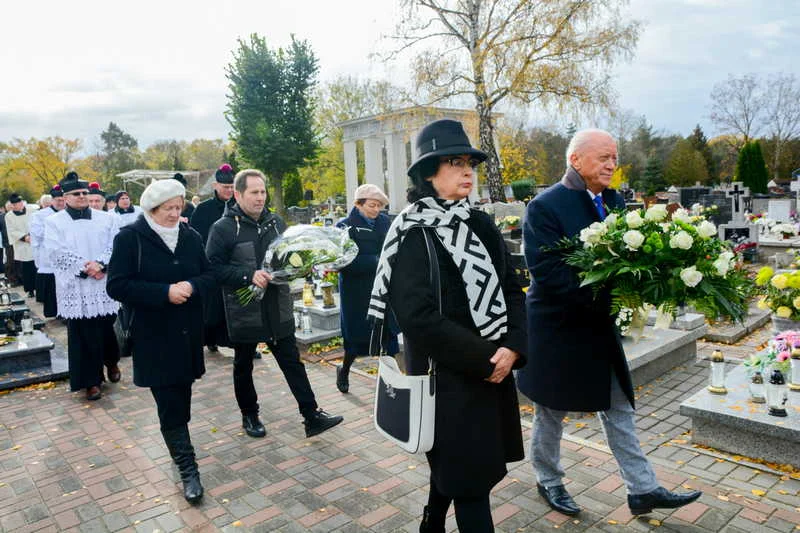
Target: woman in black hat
<point x="477" y="337"/>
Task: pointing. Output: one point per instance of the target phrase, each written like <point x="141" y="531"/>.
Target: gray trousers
<point x="620" y="430"/>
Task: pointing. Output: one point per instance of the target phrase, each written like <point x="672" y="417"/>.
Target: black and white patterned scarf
<point x="486" y="301"/>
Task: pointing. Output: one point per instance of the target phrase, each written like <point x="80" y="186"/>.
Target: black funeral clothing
<point x="46" y="294"/>
<point x="28" y="270"/>
<point x="236" y="248"/>
<point x="173" y="403"/>
<point x="206" y="213"/>
<point x="356" y="280"/>
<point x="167" y="338"/>
<point x="188" y="210"/>
<point x="477" y="423"/>
<point x="91" y="344"/>
<point x="574" y="348"/>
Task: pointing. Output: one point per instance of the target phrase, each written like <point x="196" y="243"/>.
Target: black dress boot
<point x="342" y="379"/>
<point x="431" y="523"/>
<point x="180" y="449"/>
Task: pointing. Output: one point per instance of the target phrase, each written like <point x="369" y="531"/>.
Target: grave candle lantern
<point x="327" y="295"/>
<point x="306" y="322"/>
<point x="308" y="294"/>
<point x="757" y="388"/>
<point x="794" y="382"/>
<point x="717" y="381"/>
<point x="777" y="394"/>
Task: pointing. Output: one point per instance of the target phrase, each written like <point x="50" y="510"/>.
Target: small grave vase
<point x="777" y="394"/>
<point x="780" y="325"/>
<point x="794" y="383"/>
<point x="717" y="378"/>
<point x="327" y="295"/>
<point x="306" y="322"/>
<point x="757" y="393"/>
<point x="308" y="294"/>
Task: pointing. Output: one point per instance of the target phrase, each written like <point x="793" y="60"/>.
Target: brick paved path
<point x="67" y="464"/>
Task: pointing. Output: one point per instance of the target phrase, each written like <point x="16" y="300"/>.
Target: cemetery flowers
<point x="300" y="250"/>
<point x="508" y="222"/>
<point x="649" y="258"/>
<point x="780" y="293"/>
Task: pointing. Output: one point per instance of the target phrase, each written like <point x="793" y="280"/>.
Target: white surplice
<point x="71" y="244"/>
<point x="42" y="260"/>
<point x="17" y="227"/>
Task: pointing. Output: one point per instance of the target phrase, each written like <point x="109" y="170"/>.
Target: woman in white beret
<point x="159" y="270"/>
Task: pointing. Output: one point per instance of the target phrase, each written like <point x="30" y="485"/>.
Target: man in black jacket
<point x="236" y="247"/>
<point x="203" y="217"/>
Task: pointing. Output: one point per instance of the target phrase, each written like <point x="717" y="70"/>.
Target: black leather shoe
<point x="93" y="393"/>
<point x="660" y="498"/>
<point x="559" y="499"/>
<point x="319" y="422"/>
<point x="253" y="426"/>
<point x="342" y="379"/>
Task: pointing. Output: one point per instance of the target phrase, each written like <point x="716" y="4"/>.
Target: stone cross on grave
<point x="734" y="193"/>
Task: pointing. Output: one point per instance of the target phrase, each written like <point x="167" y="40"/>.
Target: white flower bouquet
<point x="300" y="250"/>
<point x="649" y="258"/>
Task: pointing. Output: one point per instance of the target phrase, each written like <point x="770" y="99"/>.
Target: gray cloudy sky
<point x="158" y="70"/>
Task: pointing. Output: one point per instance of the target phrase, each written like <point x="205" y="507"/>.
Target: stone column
<point x="373" y="161"/>
<point x="397" y="166"/>
<point x="350" y="170"/>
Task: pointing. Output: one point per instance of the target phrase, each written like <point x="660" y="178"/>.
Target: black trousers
<point x="473" y="515"/>
<point x="91" y="343"/>
<point x="46" y="293"/>
<point x="288" y="357"/>
<point x="28" y="270"/>
<point x="174" y="405"/>
<point x="11" y="266"/>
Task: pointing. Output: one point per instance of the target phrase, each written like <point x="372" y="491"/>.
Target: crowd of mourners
<point x="85" y="255"/>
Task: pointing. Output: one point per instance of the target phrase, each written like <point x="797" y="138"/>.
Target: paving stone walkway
<point x="70" y="465"/>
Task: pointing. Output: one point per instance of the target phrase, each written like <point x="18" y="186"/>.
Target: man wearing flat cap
<point x="188" y="207"/>
<point x="79" y="241"/>
<point x="19" y="234"/>
<point x="204" y="216"/>
<point x="45" y="279"/>
<point x="127" y="212"/>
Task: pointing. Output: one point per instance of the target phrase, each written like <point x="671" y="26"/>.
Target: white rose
<point x="727" y="256"/>
<point x="611" y="220"/>
<point x="681" y="240"/>
<point x="656" y="212"/>
<point x="634" y="219"/>
<point x="633" y="239"/>
<point x="599" y="227"/>
<point x="589" y="237"/>
<point x="682" y="215"/>
<point x="722" y="265"/>
<point x="691" y="277"/>
<point x="696" y="209"/>
<point x="706" y="229"/>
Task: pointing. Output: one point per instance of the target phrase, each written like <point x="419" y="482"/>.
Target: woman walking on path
<point x="475" y="340"/>
<point x="367" y="227"/>
<point x="160" y="271"/>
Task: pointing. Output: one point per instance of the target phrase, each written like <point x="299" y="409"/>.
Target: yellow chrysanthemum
<point x="764" y="276"/>
<point x="780" y="281"/>
<point x="763" y="304"/>
<point x="783" y="311"/>
<point x="796" y="302"/>
<point x="794" y="280"/>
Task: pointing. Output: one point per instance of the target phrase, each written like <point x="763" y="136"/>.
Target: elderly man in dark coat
<point x="576" y="361"/>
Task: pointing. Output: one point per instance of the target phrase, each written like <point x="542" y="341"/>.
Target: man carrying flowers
<point x="576" y="360"/>
<point x="236" y="247"/>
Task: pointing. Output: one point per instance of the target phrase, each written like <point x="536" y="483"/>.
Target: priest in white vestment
<point x="45" y="279"/>
<point x="18" y="228"/>
<point x="79" y="241"/>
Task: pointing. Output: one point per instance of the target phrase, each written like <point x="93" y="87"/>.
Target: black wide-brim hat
<point x="441" y="138"/>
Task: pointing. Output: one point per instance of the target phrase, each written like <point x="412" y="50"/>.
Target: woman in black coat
<point x="367" y="226"/>
<point x="477" y="429"/>
<point x="159" y="270"/>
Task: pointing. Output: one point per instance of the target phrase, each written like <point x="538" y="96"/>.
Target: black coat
<point x="188" y="210"/>
<point x="167" y="338"/>
<point x="477" y="423"/>
<point x="236" y="247"/>
<point x="573" y="344"/>
<point x="356" y="280"/>
<point x="206" y="213"/>
<point x="3" y="232"/>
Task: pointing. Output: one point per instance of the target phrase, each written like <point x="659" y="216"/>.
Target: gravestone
<point x="325" y="323"/>
<point x="780" y="210"/>
<point x="717" y="199"/>
<point x="759" y="204"/>
<point x="730" y="422"/>
<point x="688" y="196"/>
<point x="738" y="230"/>
<point x="660" y="350"/>
<point x="299" y="215"/>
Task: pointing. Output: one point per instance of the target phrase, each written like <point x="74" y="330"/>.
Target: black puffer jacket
<point x="236" y="247"/>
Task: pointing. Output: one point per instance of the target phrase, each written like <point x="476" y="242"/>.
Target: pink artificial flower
<point x="783" y="356"/>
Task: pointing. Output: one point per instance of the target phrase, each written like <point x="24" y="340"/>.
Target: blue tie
<point x="598" y="203"/>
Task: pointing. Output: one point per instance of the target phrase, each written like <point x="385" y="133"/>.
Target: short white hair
<point x="45" y="198"/>
<point x="582" y="138"/>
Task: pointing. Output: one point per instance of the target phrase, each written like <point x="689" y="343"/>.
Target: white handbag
<point x="405" y="406"/>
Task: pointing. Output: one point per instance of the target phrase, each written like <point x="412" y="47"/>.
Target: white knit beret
<point x="159" y="192"/>
<point x="368" y="191"/>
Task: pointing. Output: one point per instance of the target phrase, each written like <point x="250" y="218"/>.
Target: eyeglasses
<point x="78" y="193"/>
<point x="458" y="162"/>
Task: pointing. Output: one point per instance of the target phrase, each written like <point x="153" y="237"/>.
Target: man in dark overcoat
<point x="236" y="247"/>
<point x="203" y="217"/>
<point x="575" y="356"/>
